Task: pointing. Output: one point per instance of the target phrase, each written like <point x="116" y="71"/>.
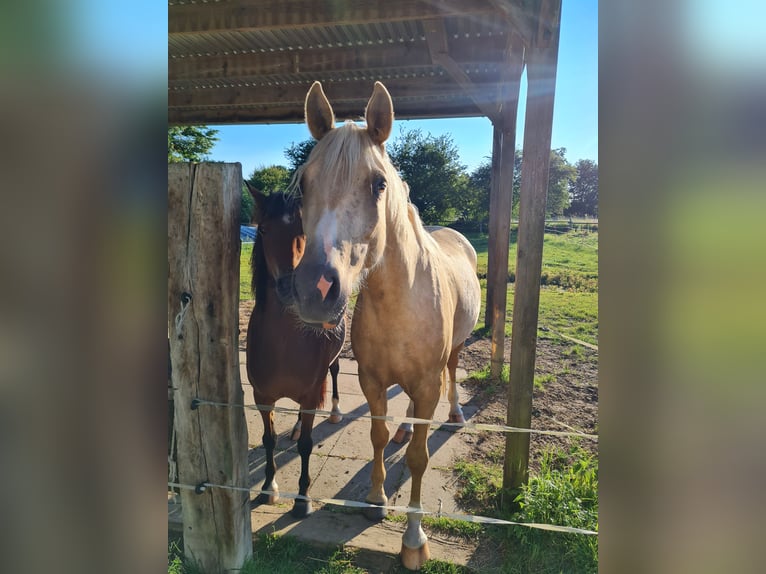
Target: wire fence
<point x="471" y="427"/>
<point x="203" y="486"/>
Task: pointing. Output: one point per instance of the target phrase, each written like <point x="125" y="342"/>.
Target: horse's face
<point x="343" y="186"/>
<point x="281" y="234"/>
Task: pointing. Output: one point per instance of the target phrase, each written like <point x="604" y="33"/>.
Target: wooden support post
<point x="493" y="223"/>
<point x="500" y="247"/>
<point x="203" y="309"/>
<point x="504" y="141"/>
<point x="541" y="59"/>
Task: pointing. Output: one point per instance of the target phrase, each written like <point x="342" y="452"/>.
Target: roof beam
<point x="252" y="15"/>
<point x="436" y="37"/>
<point x="288" y="113"/>
<point x="295" y="94"/>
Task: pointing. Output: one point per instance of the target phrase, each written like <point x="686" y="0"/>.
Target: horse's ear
<point x="379" y="114"/>
<point x="259" y="201"/>
<point x="319" y="115"/>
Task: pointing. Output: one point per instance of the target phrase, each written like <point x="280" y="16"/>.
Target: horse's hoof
<point x="402" y="436"/>
<point x="376" y="513"/>
<point x="414" y="558"/>
<point x="296" y="433"/>
<point x="336" y="417"/>
<point x="266" y="498"/>
<point x="456" y="418"/>
<point x="301" y="509"/>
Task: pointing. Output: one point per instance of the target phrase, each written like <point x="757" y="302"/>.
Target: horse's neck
<point x="405" y="251"/>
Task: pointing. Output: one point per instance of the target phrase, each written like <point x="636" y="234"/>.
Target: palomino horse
<point x="285" y="357"/>
<point x="419" y="297"/>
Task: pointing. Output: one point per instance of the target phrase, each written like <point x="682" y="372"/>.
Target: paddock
<point x="246" y="62"/>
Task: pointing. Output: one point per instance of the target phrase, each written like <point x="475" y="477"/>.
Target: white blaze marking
<point x="327" y="229"/>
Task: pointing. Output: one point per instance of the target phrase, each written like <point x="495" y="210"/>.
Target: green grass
<point x="448" y="526"/>
<point x="244" y="272"/>
<point x="564" y="492"/>
<point x="570" y="260"/>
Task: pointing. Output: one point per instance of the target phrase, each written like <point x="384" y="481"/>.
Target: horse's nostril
<point x="324" y="286"/>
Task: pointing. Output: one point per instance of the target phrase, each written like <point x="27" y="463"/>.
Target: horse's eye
<point x="378" y="186"/>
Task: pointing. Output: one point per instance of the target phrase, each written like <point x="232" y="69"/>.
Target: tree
<point x="190" y="143"/>
<point x="430" y="166"/>
<point x="583" y="191"/>
<point x="271" y="179"/>
<point x="247" y="206"/>
<point x="560" y="174"/>
<point x="475" y="205"/>
<point x="298" y="153"/>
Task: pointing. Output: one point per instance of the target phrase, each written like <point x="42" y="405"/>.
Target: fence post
<point x="542" y="57"/>
<point x="203" y="308"/>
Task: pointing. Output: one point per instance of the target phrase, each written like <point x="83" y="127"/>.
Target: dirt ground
<point x="568" y="399"/>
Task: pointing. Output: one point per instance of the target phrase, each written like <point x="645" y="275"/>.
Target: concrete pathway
<point x="340" y="468"/>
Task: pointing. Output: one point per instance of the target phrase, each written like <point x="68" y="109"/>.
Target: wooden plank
<point x="250" y="15"/>
<point x="203" y="260"/>
<point x="541" y="59"/>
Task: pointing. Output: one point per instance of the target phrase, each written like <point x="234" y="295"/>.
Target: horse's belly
<point x="392" y="358"/>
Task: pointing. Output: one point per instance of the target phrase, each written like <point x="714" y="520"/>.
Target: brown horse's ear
<point x="379" y="114"/>
<point x="258" y="199"/>
<point x="319" y="115"/>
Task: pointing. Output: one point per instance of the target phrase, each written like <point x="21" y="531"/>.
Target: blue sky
<point x="575" y="115"/>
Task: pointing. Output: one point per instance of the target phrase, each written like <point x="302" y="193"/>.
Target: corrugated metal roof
<point x="258" y="67"/>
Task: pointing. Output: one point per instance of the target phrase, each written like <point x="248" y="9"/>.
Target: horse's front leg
<point x="378" y="402"/>
<point x="404" y="432"/>
<point x="415" y="549"/>
<point x="269" y="442"/>
<point x="455" y="412"/>
<point x="302" y="507"/>
<point x="335" y="415"/>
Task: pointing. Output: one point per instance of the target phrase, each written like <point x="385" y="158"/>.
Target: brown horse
<point x="285" y="357"/>
<point x="419" y="298"/>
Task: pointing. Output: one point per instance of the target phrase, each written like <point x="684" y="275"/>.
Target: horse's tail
<point x="320" y="404"/>
<point x="443" y="387"/>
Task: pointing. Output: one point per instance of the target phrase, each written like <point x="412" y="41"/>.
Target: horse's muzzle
<point x="318" y="295"/>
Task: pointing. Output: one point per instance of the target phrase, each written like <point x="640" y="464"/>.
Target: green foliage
<point x="247" y="207"/>
<point x="245" y="274"/>
<point x="271" y="179"/>
<point x="431" y="167"/>
<point x="474" y="205"/>
<point x="342" y="562"/>
<point x="583" y="190"/>
<point x="190" y="143"/>
<point x="565" y="492"/>
<point x="298" y="153"/>
<point x="480" y="486"/>
<point x="560" y="174"/>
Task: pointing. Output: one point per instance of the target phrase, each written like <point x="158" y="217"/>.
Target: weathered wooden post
<point x="541" y="59"/>
<point x="501" y="202"/>
<point x="203" y="308"/>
